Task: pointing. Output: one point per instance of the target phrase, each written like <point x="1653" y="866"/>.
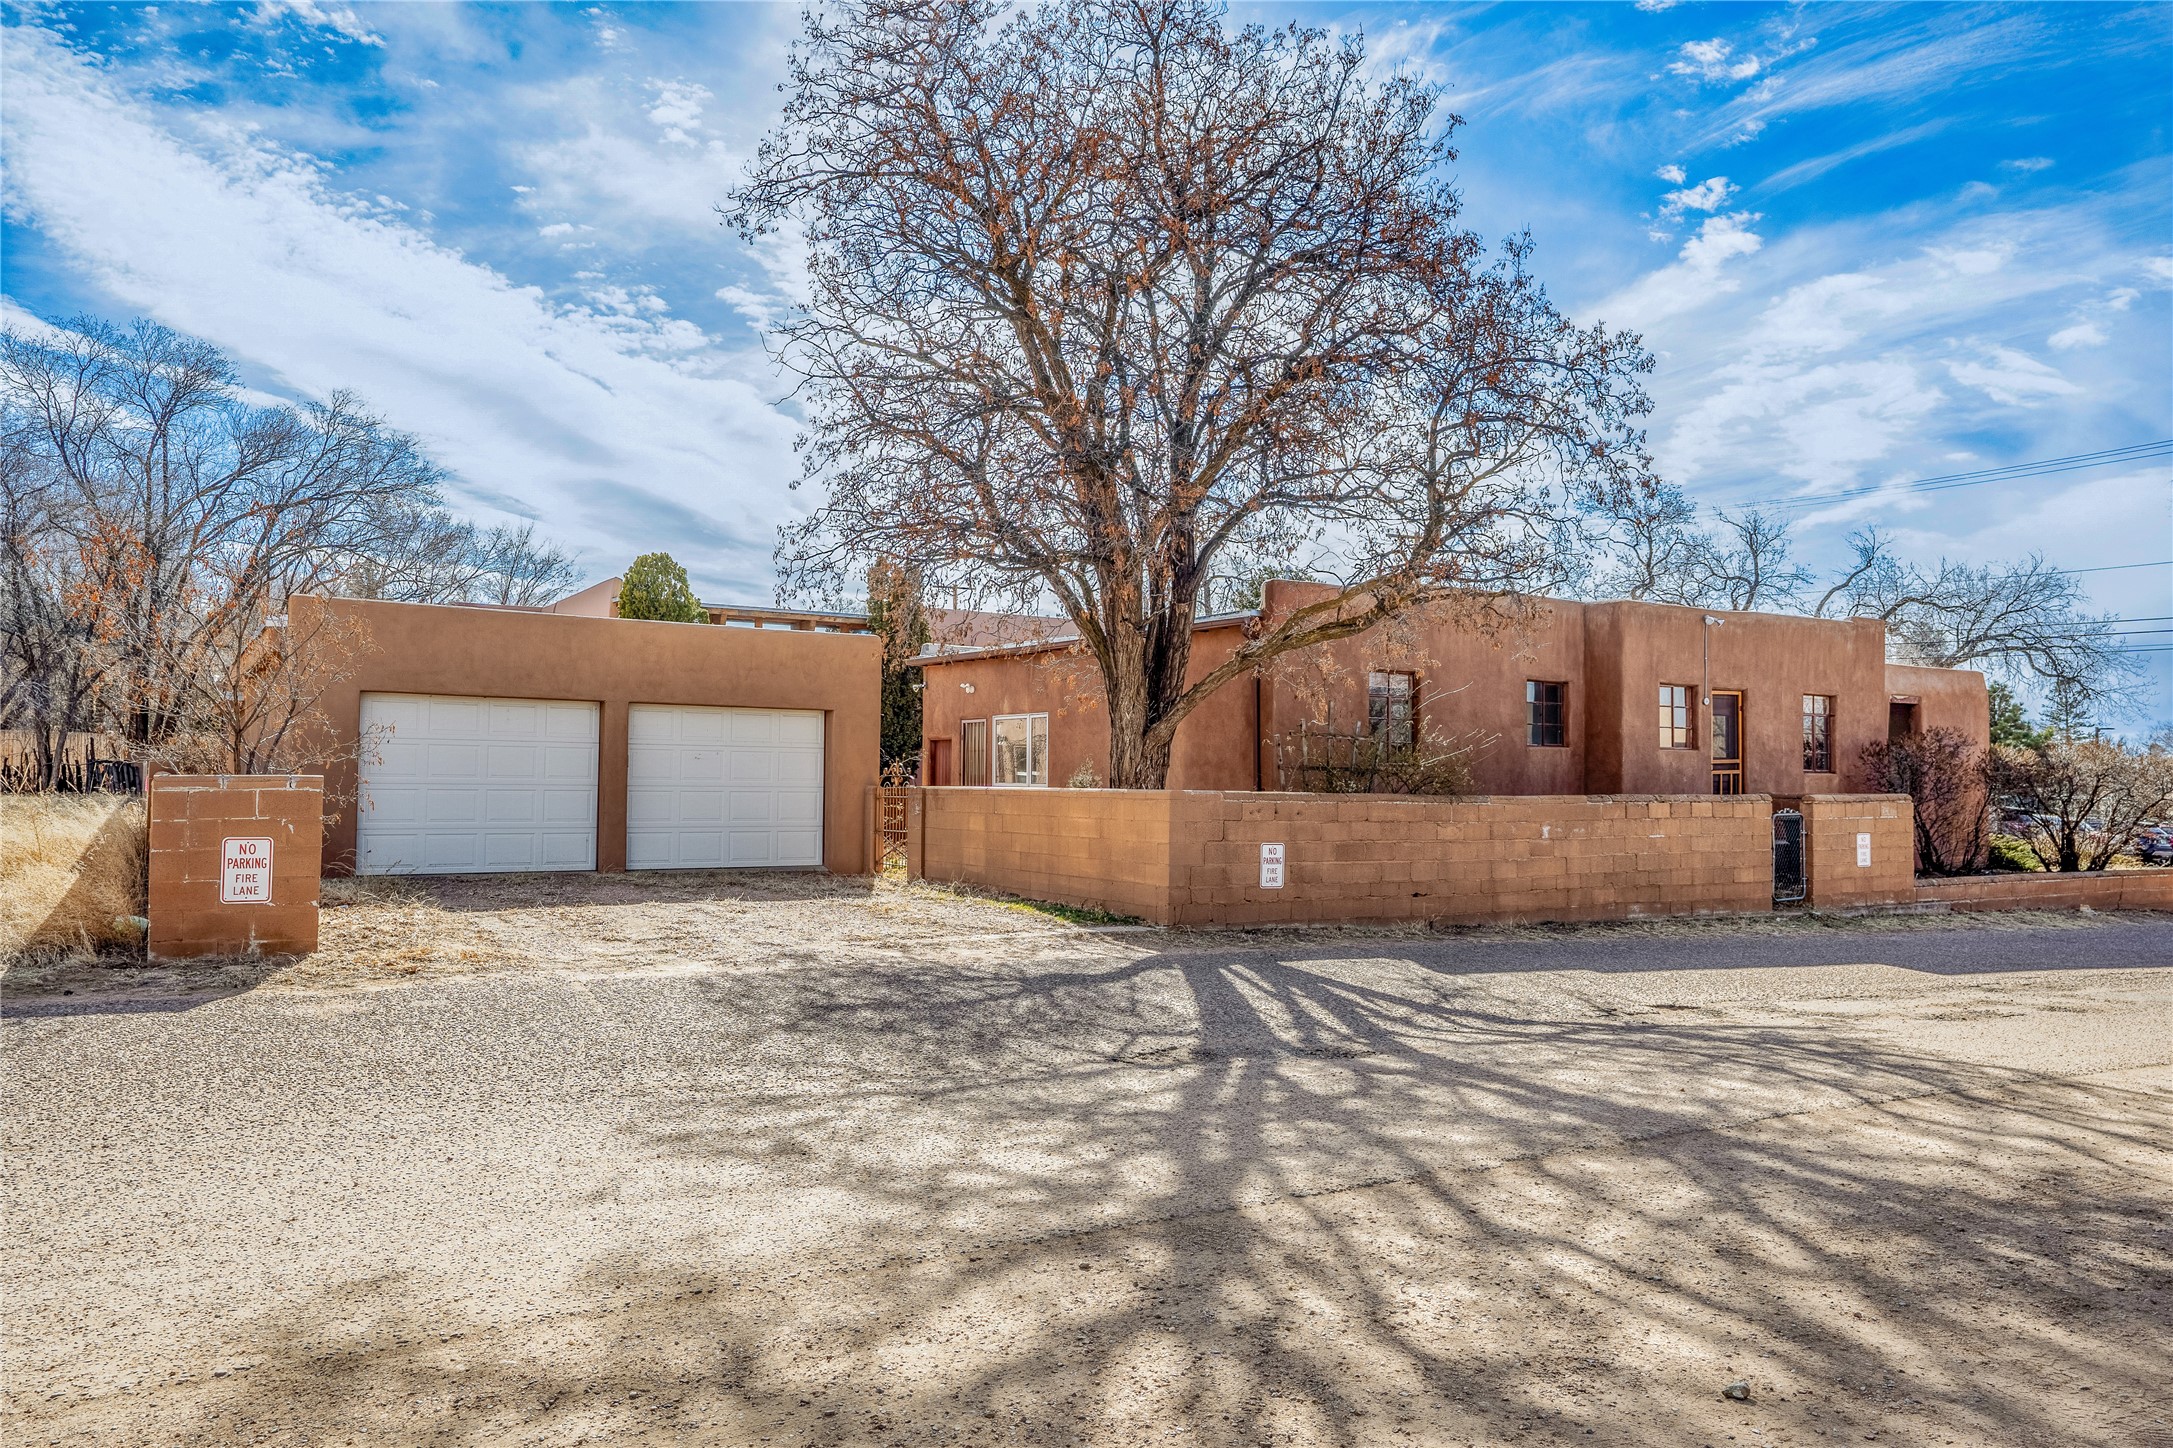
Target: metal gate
<point x="890" y="828"/>
<point x="1787" y="856"/>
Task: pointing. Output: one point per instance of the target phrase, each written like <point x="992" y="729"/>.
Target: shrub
<point x="2010" y="852"/>
<point x="1325" y="761"/>
<point x="71" y="872"/>
<point x="1943" y="773"/>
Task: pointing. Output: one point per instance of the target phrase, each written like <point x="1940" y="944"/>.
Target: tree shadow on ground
<point x="1230" y="1198"/>
<point x="468" y="893"/>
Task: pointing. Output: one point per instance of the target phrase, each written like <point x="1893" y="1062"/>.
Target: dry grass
<point x="71" y="873"/>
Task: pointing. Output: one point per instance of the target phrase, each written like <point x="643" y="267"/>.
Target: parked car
<point x="2154" y="844"/>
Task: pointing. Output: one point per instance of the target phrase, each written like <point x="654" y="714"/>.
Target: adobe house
<point x="477" y="739"/>
<point x="1576" y="698"/>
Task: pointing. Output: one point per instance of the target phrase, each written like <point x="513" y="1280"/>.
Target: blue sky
<point x="1867" y="244"/>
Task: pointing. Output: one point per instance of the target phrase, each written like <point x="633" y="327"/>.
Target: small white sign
<point x="1863" y="852"/>
<point x="245" y="872"/>
<point x="1271" y="867"/>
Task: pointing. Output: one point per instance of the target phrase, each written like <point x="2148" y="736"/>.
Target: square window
<point x="1392" y="709"/>
<point x="1675" y="730"/>
<point x="1547" y="709"/>
<point x="1817" y="734"/>
<point x="1022" y="750"/>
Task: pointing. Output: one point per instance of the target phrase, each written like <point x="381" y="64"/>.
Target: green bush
<point x="656" y="587"/>
<point x="2008" y="852"/>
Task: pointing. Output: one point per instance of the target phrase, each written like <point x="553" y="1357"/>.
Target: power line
<point x="2117" y="567"/>
<point x="2015" y="472"/>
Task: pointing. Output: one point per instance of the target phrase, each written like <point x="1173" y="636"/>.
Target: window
<point x="1546" y="705"/>
<point x="1817" y="734"/>
<point x="1392" y="709"/>
<point x="1022" y="750"/>
<point x="1675" y="732"/>
<point x="973" y="752"/>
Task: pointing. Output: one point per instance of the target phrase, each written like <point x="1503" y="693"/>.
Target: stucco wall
<point x="1946" y="698"/>
<point x="614" y="662"/>
<point x="1213" y="748"/>
<point x="1613" y="656"/>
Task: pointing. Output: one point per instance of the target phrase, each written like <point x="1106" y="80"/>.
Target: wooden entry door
<point x="1727" y="741"/>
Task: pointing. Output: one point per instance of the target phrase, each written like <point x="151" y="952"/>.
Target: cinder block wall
<point x="191" y="816"/>
<point x="2150" y="889"/>
<point x="1101" y="849"/>
<point x="1831" y="825"/>
<point x="1548" y="857"/>
<point x="1194" y="857"/>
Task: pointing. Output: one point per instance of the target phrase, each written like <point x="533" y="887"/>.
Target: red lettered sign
<point x="245" y="872"/>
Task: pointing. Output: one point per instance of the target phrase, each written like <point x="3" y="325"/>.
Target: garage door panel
<point x="463" y="785"/>
<point x="704" y="787"/>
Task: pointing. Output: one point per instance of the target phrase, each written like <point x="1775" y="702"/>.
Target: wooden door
<point x="1727" y="741"/>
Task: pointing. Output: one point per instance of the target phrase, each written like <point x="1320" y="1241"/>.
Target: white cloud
<point x="1672" y="174"/>
<point x="2081" y="334"/>
<point x="339" y="19"/>
<point x="613" y="422"/>
<point x="1692" y="279"/>
<point x="1708" y="195"/>
<point x="1654" y="7"/>
<point x="678" y="110"/>
<point x="1713" y="60"/>
<point x="2028" y="163"/>
<point x="2160" y="267"/>
<point x="2011" y="378"/>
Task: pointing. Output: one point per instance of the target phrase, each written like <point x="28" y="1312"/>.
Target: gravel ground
<point x="784" y="1159"/>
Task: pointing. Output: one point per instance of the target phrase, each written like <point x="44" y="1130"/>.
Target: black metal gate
<point x="1787" y="856"/>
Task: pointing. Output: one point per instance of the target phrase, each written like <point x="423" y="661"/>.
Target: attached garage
<point x="709" y="788"/>
<point x="452" y="785"/>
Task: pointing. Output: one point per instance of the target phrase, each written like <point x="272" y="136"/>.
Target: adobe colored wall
<point x="1193" y="858"/>
<point x="1946" y="698"/>
<point x="613" y="662"/>
<point x="1380" y="858"/>
<point x="1832" y="823"/>
<point x="191" y="816"/>
<point x="1101" y="849"/>
<point x="1214" y="745"/>
<point x="1613" y="657"/>
<point x="2093" y="889"/>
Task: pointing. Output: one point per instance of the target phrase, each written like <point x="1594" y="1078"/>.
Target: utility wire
<point x="2016" y="472"/>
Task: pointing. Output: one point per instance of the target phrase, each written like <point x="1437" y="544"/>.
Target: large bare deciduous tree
<point x="1107" y="299"/>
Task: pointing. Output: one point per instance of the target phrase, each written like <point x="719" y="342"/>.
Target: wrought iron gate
<point x="1787" y="856"/>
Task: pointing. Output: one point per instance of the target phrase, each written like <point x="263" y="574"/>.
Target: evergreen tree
<point x="896" y="613"/>
<point x="2009" y="724"/>
<point x="655" y="587"/>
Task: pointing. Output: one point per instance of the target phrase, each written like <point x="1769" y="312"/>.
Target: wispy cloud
<point x="249" y="247"/>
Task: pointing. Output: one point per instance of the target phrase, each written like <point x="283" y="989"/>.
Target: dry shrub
<point x="1943" y="773"/>
<point x="71" y="872"/>
<point x="1324" y="761"/>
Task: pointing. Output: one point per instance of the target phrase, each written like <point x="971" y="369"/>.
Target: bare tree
<point x="2086" y="799"/>
<point x="156" y="523"/>
<point x="1100" y="291"/>
<point x="2022" y="620"/>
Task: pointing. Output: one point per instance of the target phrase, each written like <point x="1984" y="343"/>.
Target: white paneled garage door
<point x="708" y="788"/>
<point x="460" y="786"/>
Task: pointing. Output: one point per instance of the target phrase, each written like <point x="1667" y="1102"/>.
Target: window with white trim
<point x="1022" y="750"/>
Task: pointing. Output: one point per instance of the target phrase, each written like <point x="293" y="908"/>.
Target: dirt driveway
<point x="789" y="1160"/>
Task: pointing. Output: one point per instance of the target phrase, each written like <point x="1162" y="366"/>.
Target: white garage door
<point x="707" y="788"/>
<point x="460" y="786"/>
